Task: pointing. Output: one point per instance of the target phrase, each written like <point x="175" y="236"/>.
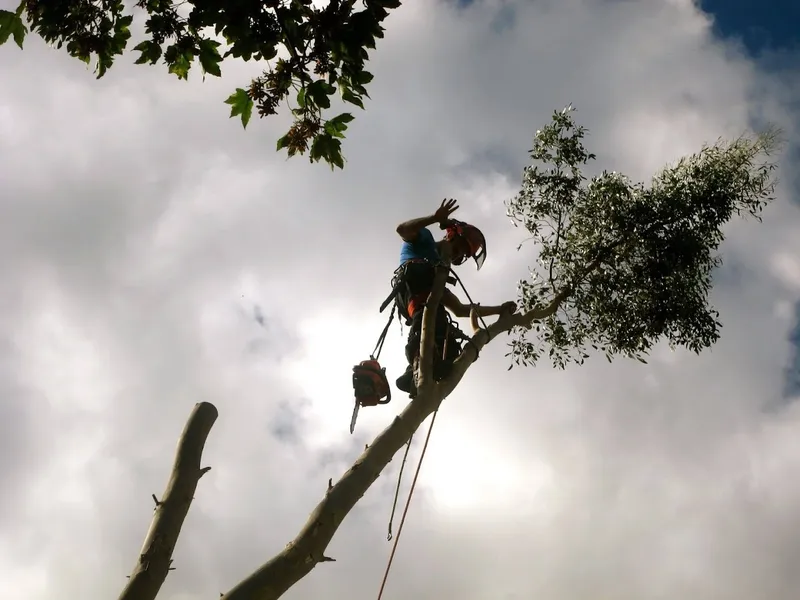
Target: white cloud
<point x="143" y="232"/>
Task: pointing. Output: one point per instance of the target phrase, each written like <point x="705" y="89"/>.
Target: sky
<point x="760" y="27"/>
<point x="155" y="255"/>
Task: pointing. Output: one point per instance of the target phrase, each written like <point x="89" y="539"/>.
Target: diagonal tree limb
<point x="301" y="555"/>
<point x="505" y="322"/>
<point x="155" y="557"/>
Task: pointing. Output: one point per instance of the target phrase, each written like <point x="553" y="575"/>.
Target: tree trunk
<point x="155" y="557"/>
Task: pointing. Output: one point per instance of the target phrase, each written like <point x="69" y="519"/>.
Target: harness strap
<point x="399" y="281"/>
<point x="379" y="346"/>
<point x="458" y="335"/>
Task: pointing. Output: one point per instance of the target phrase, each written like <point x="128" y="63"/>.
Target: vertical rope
<point x="405" y="510"/>
<point x="397" y="489"/>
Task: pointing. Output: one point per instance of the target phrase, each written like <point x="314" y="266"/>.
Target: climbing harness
<point x="401" y="288"/>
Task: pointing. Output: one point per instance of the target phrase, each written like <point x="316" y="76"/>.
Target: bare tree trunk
<point x="155" y="557"/>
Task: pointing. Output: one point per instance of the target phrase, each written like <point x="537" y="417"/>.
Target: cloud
<point x="145" y="236"/>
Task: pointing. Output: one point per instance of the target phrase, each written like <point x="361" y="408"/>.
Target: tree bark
<point x="155" y="557"/>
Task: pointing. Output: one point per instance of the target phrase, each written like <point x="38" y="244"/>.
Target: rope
<point x="397" y="489"/>
<point x="405" y="510"/>
<point x="466" y="293"/>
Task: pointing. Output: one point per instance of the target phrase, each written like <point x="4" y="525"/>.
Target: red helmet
<point x="472" y="236"/>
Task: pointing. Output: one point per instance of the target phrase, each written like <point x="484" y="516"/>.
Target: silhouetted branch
<point x="155" y="558"/>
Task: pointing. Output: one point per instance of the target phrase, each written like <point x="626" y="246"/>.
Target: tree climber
<point x="419" y="255"/>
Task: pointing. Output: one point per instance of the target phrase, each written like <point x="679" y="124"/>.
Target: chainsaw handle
<point x="388" y="396"/>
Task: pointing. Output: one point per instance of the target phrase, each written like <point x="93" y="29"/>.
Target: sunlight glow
<point x="464" y="470"/>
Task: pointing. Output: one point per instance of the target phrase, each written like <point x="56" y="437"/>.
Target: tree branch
<point x="508" y="321"/>
<point x="301" y="555"/>
<point x="428" y="336"/>
<point x="155" y="558"/>
<point x="482" y="337"/>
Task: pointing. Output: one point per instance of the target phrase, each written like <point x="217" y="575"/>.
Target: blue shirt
<point x="424" y="246"/>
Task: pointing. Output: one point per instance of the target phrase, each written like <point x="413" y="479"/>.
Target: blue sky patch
<point x="761" y="26"/>
<point x="791" y="379"/>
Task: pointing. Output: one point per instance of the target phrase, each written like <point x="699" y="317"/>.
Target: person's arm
<point x="461" y="310"/>
<point x="409" y="230"/>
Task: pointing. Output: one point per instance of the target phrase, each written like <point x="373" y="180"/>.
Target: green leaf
<point x="269" y="53"/>
<point x="11" y="25"/>
<point x="122" y="34"/>
<point x="241" y="104"/>
<point x="349" y="96"/>
<point x="319" y="91"/>
<point x="335" y="131"/>
<point x="336" y="160"/>
<point x="363" y="77"/>
<point x="104" y="63"/>
<point x="301" y="98"/>
<point x="210" y="57"/>
<point x="343" y="118"/>
<point x="338" y="125"/>
<point x="320" y="147"/>
<point x="123" y="25"/>
<point x="151" y="52"/>
<point x="283" y="142"/>
<point x="326" y="147"/>
<point x="181" y="66"/>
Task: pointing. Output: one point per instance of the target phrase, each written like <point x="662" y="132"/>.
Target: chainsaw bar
<point x="355" y="416"/>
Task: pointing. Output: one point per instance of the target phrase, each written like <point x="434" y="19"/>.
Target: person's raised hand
<point x="442" y="214"/>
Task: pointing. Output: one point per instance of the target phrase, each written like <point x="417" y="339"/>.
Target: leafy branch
<point x="637" y="260"/>
<point x="325" y="52"/>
